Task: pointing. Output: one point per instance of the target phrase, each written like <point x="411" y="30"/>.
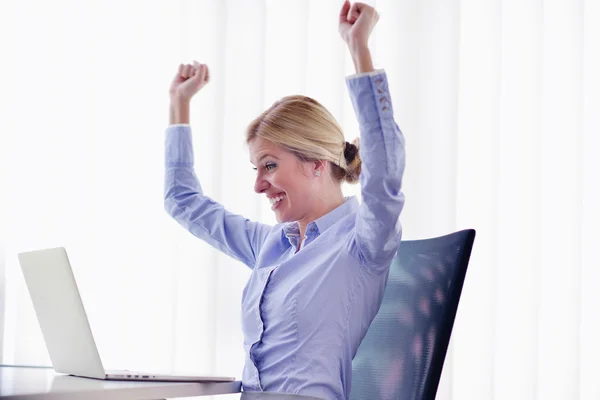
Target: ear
<point x="319" y="168"/>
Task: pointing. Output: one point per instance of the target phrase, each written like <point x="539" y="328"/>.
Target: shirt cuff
<point x="370" y="97"/>
<point x="371" y="73"/>
<point x="178" y="146"/>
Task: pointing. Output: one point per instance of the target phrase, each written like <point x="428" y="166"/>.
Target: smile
<point x="276" y="200"/>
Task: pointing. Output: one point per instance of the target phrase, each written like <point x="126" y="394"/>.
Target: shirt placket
<point x="267" y="276"/>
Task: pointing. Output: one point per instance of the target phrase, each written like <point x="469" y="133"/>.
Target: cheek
<point x="293" y="184"/>
<point x="304" y="187"/>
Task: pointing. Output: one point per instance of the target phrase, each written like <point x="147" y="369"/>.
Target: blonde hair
<point x="304" y="127"/>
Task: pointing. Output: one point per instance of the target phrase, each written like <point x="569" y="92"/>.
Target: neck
<point x="323" y="207"/>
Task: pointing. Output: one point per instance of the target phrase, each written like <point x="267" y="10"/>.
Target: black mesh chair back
<point x="402" y="354"/>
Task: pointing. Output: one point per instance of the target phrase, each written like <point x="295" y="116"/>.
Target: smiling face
<point x="294" y="129"/>
<point x="287" y="182"/>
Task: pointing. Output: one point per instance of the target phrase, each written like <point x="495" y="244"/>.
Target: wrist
<point x="361" y="56"/>
<point x="357" y="47"/>
<point x="179" y="111"/>
<point x="179" y="101"/>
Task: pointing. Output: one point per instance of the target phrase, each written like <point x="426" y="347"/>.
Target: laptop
<point x="65" y="325"/>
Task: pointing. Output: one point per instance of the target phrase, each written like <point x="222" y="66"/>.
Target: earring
<point x="317" y="173"/>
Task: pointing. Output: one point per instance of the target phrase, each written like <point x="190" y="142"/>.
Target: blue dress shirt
<point x="305" y="313"/>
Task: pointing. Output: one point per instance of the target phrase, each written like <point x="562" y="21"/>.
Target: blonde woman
<point x="318" y="276"/>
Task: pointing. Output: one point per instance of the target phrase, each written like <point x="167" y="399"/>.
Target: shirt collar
<point x="349" y="206"/>
<point x="323" y="223"/>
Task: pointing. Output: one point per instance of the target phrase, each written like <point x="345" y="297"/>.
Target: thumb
<point x="354" y="12"/>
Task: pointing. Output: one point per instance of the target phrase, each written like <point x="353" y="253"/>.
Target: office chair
<point x="402" y="354"/>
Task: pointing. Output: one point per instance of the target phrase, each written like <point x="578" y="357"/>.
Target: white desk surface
<point x="24" y="383"/>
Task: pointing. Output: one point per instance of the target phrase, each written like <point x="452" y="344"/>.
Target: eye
<point x="270" y="166"/>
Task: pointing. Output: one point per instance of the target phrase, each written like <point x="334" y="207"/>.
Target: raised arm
<point x="184" y="199"/>
<point x="378" y="230"/>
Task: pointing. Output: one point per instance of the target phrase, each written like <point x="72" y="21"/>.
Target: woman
<point x="318" y="276"/>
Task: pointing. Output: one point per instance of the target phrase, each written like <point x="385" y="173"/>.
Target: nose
<point x="260" y="185"/>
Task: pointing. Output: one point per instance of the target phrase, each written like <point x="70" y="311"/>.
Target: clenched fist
<point x="356" y="23"/>
<point x="188" y="81"/>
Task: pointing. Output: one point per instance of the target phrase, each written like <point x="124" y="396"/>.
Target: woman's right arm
<point x="377" y="231"/>
<point x="183" y="197"/>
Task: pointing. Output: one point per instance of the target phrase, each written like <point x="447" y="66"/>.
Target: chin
<point x="280" y="219"/>
<point x="283" y="217"/>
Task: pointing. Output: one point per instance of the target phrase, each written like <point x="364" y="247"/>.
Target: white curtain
<point x="499" y="101"/>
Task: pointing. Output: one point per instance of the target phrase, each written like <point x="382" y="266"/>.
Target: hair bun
<point x="353" y="162"/>
<point x="350" y="152"/>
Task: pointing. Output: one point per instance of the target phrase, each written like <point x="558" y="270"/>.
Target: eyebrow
<point x="264" y="156"/>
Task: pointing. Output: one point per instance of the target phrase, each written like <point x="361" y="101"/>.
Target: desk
<point x="25" y="383"/>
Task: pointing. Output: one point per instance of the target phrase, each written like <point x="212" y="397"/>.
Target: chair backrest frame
<point x="439" y="354"/>
<point x="408" y="252"/>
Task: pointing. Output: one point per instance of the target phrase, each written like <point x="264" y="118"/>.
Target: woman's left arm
<point x="378" y="230"/>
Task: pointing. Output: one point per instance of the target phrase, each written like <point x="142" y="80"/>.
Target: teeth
<point x="277" y="199"/>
